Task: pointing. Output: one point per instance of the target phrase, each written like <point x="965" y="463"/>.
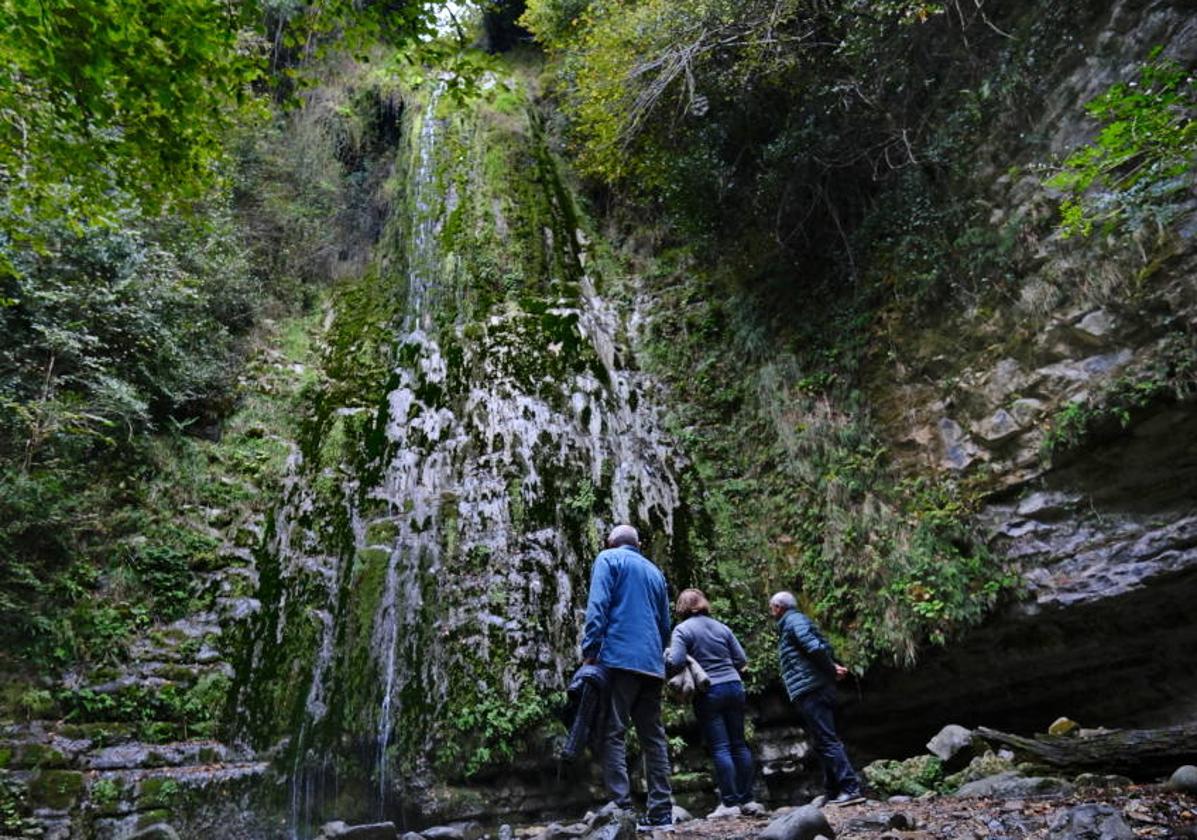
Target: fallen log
<point x="1142" y="754"/>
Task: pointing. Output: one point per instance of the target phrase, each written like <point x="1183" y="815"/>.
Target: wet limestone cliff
<point x="423" y="579"/>
<point x="498" y="378"/>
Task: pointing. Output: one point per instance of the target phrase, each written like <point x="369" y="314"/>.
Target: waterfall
<point x="508" y="439"/>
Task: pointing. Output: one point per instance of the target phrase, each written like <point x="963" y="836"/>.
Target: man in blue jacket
<point x="627" y="630"/>
<point x="809" y="671"/>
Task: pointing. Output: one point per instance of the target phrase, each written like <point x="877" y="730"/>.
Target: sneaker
<point x="663" y="822"/>
<point x="847" y="798"/>
<point x="753" y="809"/>
<point x="724" y="812"/>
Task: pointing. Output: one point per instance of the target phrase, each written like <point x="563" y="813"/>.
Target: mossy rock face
<point x="106" y="793"/>
<point x="149" y="819"/>
<point x="158" y="792"/>
<point x="34" y="756"/>
<point x="5" y="757"/>
<point x="56" y="789"/>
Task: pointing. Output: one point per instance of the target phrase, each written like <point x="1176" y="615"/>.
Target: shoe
<point x="753" y="809"/>
<point x="847" y="798"/>
<point x="724" y="812"/>
<point x="663" y="822"/>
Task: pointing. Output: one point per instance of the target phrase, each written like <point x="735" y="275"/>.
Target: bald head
<point x="623" y="535"/>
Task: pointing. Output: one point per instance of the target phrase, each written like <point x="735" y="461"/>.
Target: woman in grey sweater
<point x="720" y="709"/>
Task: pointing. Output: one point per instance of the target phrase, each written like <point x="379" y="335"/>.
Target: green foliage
<point x="36" y="702"/>
<point x="912" y="777"/>
<point x="15" y="816"/>
<point x="798" y="492"/>
<point x="1139" y="167"/>
<point x="105" y="792"/>
<point x="1170" y="377"/>
<point x="100" y="100"/>
<point x="490" y="728"/>
<point x="163" y="713"/>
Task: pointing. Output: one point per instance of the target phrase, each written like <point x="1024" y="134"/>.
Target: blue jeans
<point x="818" y="715"/>
<point x="720" y="711"/>
<point x="636" y="699"/>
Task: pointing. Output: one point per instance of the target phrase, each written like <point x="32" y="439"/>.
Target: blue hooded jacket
<point x="627" y="615"/>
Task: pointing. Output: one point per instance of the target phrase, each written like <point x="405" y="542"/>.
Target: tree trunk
<point x="1139" y="753"/>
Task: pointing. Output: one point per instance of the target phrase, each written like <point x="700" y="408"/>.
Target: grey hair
<point x="784" y="599"/>
<point x="623" y="535"/>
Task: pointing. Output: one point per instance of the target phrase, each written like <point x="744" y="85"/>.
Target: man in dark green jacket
<point x="809" y="671"/>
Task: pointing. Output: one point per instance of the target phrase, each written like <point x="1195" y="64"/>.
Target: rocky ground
<point x="1143" y="811"/>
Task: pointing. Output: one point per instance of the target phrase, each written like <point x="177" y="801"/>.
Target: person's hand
<point x="840" y="671"/>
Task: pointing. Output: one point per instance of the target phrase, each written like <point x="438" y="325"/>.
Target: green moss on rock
<point x="56" y="789"/>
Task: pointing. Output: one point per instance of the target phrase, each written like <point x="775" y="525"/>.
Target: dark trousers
<point x="818" y="717"/>
<point x="636" y="699"/>
<point x="720" y="710"/>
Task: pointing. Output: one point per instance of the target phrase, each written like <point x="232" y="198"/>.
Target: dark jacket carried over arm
<point x="805" y="656"/>
<point x="586" y="712"/>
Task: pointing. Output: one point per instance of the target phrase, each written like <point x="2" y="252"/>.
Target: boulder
<point x="1089" y="822"/>
<point x="1013" y="785"/>
<point x="621" y="827"/>
<point x="1184" y="779"/>
<point x="157" y="831"/>
<point x="955" y="746"/>
<point x="505" y="833"/>
<point x="803" y="823"/>
<point x="469" y="830"/>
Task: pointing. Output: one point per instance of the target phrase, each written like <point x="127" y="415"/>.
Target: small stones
<point x="1090" y="822"/>
<point x="1094" y="781"/>
<point x="373" y="831"/>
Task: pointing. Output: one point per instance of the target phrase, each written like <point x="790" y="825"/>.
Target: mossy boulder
<point x="912" y="777"/>
<point x="983" y="766"/>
